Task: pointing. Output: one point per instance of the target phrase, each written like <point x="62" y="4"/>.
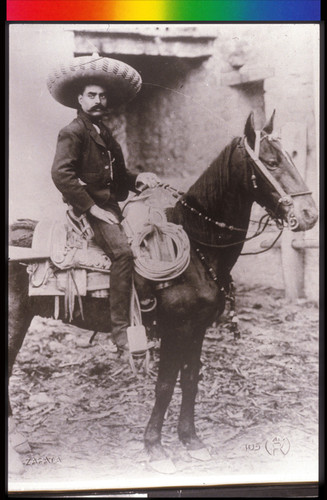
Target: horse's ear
<point x="269" y="127"/>
<point x="249" y="131"/>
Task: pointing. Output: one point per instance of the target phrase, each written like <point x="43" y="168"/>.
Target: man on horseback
<point x="89" y="167"/>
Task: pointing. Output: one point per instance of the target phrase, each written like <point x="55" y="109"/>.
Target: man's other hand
<point x="146" y="180"/>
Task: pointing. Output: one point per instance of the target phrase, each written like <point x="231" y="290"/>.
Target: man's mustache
<point x="98" y="107"/>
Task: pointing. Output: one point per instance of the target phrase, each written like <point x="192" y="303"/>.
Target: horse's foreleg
<point x="189" y="384"/>
<point x="168" y="370"/>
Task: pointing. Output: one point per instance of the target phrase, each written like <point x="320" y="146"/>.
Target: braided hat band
<point x="121" y="81"/>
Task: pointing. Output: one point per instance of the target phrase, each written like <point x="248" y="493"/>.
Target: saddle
<point x="77" y="267"/>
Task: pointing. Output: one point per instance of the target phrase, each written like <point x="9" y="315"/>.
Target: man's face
<point x="93" y="100"/>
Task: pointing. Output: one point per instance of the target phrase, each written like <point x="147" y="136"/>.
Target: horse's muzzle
<point x="302" y="214"/>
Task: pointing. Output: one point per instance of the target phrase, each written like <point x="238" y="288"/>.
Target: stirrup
<point x="137" y="339"/>
<point x="139" y="347"/>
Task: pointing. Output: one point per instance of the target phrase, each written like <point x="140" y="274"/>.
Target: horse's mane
<point x="209" y="195"/>
<point x="208" y="189"/>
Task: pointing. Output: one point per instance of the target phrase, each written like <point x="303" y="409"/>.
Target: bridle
<point x="284" y="198"/>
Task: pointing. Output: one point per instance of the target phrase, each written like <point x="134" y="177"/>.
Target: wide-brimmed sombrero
<point x="121" y="81"/>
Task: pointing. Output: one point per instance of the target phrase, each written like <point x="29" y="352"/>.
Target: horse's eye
<point x="272" y="164"/>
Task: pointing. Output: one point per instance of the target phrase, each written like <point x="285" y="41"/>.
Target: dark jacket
<point x="82" y="155"/>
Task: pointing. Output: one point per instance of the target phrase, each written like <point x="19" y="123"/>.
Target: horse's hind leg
<point x="168" y="370"/>
<point x="19" y="311"/>
<point x="189" y="383"/>
<point x="19" y="319"/>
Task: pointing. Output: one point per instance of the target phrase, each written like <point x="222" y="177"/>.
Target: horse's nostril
<point x="308" y="215"/>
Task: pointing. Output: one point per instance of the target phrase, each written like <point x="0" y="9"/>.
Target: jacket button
<point x="106" y="167"/>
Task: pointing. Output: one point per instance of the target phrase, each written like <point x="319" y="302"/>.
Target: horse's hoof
<point x="19" y="443"/>
<point x="200" y="454"/>
<point x="15" y="465"/>
<point x="165" y="466"/>
<point x="17" y="440"/>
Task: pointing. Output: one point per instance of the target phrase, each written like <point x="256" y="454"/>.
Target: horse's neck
<point x="219" y="196"/>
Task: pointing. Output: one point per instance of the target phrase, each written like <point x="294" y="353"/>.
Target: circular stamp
<point x="278" y="445"/>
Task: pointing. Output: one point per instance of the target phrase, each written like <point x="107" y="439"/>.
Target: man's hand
<point x="146" y="180"/>
<point x="101" y="214"/>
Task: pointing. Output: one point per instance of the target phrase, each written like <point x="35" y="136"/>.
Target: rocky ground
<point x="84" y="412"/>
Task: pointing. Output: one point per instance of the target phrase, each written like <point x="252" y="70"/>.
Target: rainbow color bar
<point x="163" y="10"/>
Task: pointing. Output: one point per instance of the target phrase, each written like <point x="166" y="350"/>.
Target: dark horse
<point x="215" y="213"/>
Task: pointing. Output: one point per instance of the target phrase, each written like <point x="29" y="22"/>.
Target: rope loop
<point x="161" y="251"/>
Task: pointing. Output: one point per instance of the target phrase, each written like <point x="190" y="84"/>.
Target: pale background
<point x="175" y="130"/>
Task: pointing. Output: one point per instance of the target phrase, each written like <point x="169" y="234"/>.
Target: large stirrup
<point x="136" y="335"/>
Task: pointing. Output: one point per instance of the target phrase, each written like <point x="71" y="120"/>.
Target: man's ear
<point x="79" y="98"/>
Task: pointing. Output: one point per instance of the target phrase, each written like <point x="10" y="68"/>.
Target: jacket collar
<point x="89" y="125"/>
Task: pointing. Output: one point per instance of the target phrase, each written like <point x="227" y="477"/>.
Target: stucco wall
<point x="180" y="121"/>
<point x="177" y="129"/>
<point x="292" y="50"/>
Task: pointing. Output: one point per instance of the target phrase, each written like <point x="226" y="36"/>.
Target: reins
<point x="284" y="199"/>
<point x="177" y="194"/>
<point x="258" y="232"/>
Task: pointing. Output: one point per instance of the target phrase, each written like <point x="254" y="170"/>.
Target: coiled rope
<point x="162" y="252"/>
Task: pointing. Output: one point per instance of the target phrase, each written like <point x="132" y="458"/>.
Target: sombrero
<point x="121" y="80"/>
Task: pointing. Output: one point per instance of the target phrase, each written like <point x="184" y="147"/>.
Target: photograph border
<point x="303" y="490"/>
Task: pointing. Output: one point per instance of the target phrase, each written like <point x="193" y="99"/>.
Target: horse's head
<point x="276" y="182"/>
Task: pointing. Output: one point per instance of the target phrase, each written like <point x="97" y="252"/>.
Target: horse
<point x="215" y="213"/>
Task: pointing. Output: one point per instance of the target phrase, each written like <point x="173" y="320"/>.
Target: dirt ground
<point x="84" y="412"/>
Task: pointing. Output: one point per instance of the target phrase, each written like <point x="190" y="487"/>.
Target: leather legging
<point x="112" y="239"/>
